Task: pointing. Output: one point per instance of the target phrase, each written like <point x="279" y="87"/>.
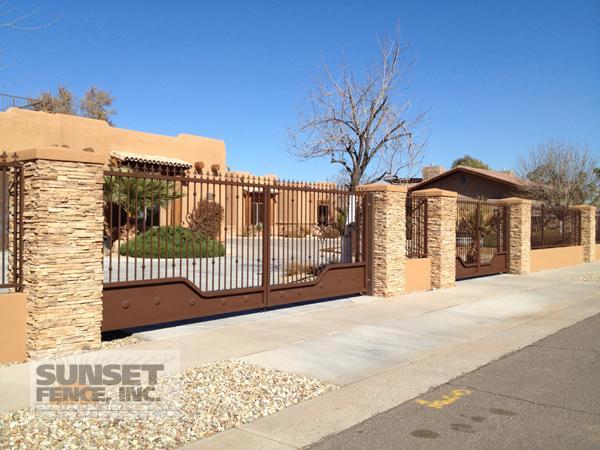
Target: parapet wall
<point x="23" y="129"/>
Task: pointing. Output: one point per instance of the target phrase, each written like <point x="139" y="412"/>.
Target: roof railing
<point x="14" y="101"/>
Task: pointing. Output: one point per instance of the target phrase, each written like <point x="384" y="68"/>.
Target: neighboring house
<point x="471" y="182"/>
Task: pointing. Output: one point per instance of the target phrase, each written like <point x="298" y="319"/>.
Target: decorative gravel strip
<point x="215" y="397"/>
<point x="594" y="277"/>
<point x="122" y="342"/>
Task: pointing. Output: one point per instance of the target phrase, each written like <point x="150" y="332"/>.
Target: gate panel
<point x="227" y="243"/>
<point x="481" y="239"/>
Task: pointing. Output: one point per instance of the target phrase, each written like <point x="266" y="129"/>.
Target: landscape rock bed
<point x="594" y="277"/>
<point x="214" y="397"/>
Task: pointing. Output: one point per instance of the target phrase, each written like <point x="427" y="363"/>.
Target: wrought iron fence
<point x="14" y="101"/>
<point x="481" y="231"/>
<point x="11" y="222"/>
<point x="550" y="228"/>
<point x="597" y="226"/>
<point x="416" y="227"/>
<point x="224" y="233"/>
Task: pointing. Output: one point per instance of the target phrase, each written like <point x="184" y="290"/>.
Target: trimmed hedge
<point x="172" y="242"/>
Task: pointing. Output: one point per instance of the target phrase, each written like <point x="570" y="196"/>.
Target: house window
<point x="256" y="209"/>
<point x="323" y="214"/>
<point x="463" y="178"/>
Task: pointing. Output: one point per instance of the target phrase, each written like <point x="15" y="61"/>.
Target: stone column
<point x="388" y="238"/>
<point x="441" y="235"/>
<point x="63" y="229"/>
<point x="519" y="235"/>
<point x="588" y="232"/>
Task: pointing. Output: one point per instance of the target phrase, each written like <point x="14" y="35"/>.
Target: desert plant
<point x="206" y="218"/>
<point x="329" y="231"/>
<point x="295" y="231"/>
<point x="172" y="242"/>
<point x="294" y="269"/>
<point x="134" y="195"/>
<point x="252" y="230"/>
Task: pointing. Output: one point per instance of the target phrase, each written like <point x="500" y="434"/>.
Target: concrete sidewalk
<point x="546" y="395"/>
<point x="380" y="351"/>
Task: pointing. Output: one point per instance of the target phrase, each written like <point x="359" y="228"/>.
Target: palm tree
<point x="134" y="195"/>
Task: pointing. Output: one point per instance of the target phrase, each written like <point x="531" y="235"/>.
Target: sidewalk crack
<point x="512" y="397"/>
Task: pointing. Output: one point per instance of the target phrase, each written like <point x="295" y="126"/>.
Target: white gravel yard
<point x="215" y="397"/>
<point x="594" y="277"/>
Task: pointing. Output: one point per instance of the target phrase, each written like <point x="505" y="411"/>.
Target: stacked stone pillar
<point x="588" y="232"/>
<point x="388" y="238"/>
<point x="62" y="273"/>
<point x="441" y="235"/>
<point x="519" y="235"/>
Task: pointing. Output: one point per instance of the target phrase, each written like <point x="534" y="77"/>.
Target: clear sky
<point x="498" y="77"/>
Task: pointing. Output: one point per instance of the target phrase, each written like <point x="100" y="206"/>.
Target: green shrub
<point x="172" y="242"/>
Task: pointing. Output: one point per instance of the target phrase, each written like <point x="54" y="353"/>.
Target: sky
<point x="496" y="78"/>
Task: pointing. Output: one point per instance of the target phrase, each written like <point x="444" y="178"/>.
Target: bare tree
<point x="21" y="22"/>
<point x="96" y="104"/>
<point x="360" y="123"/>
<point x="561" y="175"/>
<point x="12" y="20"/>
<point x="63" y="102"/>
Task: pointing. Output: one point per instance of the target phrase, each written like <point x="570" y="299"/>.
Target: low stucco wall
<point x="597" y="252"/>
<point x="418" y="274"/>
<point x="553" y="258"/>
<point x="13" y="320"/>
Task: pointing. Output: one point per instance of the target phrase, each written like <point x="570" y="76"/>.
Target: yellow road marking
<point x="445" y="400"/>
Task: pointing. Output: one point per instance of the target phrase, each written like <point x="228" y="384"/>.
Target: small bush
<point x="293" y="269"/>
<point x="252" y="230"/>
<point x="172" y="242"/>
<point x="292" y="231"/>
<point x="206" y="218"/>
<point x="329" y="231"/>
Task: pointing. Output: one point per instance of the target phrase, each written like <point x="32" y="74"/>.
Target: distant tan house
<point x="471" y="182"/>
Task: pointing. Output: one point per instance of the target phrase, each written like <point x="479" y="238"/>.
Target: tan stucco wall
<point x="13" y="320"/>
<point x="553" y="258"/>
<point x="418" y="274"/>
<point x="597" y="252"/>
<point x="22" y="129"/>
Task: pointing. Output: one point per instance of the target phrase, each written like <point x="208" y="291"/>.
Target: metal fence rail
<point x="224" y="233"/>
<point x="481" y="231"/>
<point x="11" y="222"/>
<point x="416" y="227"/>
<point x="182" y="247"/>
<point x="14" y="101"/>
<point x="550" y="228"/>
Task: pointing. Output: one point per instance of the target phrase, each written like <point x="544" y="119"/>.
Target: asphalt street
<point x="545" y="396"/>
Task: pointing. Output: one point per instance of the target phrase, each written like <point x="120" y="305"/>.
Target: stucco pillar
<point x="62" y="273"/>
<point x="388" y="238"/>
<point x="588" y="232"/>
<point x="441" y="235"/>
<point x="519" y="235"/>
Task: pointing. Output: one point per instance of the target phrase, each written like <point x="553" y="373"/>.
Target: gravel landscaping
<point x="215" y="397"/>
<point x="594" y="277"/>
<point x="121" y="342"/>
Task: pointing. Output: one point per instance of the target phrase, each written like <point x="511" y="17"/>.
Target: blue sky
<point x="497" y="77"/>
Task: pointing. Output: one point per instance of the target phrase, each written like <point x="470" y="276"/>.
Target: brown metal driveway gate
<point x="481" y="239"/>
<point x="182" y="247"/>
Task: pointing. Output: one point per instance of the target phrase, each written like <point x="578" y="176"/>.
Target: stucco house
<point x="23" y="129"/>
